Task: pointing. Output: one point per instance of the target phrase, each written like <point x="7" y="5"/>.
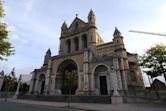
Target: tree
<point x="9" y="84"/>
<point x="71" y="82"/>
<point x="154" y="61"/>
<point x="5" y="46"/>
<point x="24" y="88"/>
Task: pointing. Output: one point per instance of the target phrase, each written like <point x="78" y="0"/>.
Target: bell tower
<point x="92" y="30"/>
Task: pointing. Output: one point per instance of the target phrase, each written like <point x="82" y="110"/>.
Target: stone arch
<point x="100" y="65"/>
<point x="41" y="83"/>
<point x="101" y="79"/>
<point x="66" y="67"/>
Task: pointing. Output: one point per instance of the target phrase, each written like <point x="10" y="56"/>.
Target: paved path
<point x="97" y="107"/>
<point x="10" y="106"/>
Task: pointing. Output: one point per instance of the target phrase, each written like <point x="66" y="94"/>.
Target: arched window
<point x="84" y="39"/>
<point x="68" y="42"/>
<point x="76" y="42"/>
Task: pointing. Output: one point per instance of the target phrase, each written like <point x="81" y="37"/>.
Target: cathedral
<point x="99" y="68"/>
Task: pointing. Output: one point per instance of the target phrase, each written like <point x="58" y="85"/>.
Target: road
<point x="11" y="106"/>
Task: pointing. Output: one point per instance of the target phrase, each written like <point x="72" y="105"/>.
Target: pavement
<point x="96" y="107"/>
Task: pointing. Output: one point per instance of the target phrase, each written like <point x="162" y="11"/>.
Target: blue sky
<point x="35" y="26"/>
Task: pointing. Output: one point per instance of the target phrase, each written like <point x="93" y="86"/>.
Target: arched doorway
<point x="67" y="77"/>
<point x="101" y="79"/>
<point x="41" y="83"/>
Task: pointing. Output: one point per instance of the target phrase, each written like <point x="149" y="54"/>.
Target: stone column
<point x="47" y="81"/>
<point x="116" y="98"/>
<point x="72" y="45"/>
<point x="32" y="83"/>
<point x="85" y="72"/>
<point x="18" y="87"/>
<point x="52" y="85"/>
<point x="92" y="81"/>
<point x="124" y="79"/>
<point x="79" y="80"/>
<point x="79" y="88"/>
<point x="114" y="78"/>
<point x="80" y="43"/>
<point x="58" y="84"/>
<point x="118" y="74"/>
<point x="36" y="86"/>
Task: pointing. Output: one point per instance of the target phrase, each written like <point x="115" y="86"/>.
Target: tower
<point x="47" y="57"/>
<point x="119" y="44"/>
<point x="121" y="53"/>
<point x="64" y="28"/>
<point x="92" y="30"/>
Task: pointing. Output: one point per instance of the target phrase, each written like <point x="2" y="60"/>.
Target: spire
<point x="48" y="52"/>
<point x="117" y="33"/>
<point x="64" y="25"/>
<point x="91" y="17"/>
<point x="91" y="13"/>
<point x="47" y="57"/>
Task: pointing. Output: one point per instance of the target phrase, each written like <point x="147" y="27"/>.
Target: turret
<point x="47" y="57"/>
<point x="92" y="19"/>
<point x="118" y="38"/>
<point x="64" y="27"/>
<point x="120" y="47"/>
<point x="92" y="31"/>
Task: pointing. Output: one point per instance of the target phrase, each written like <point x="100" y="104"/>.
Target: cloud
<point x="30" y="4"/>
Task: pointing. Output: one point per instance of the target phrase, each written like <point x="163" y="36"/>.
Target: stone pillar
<point x="124" y="79"/>
<point x="72" y="45"/>
<point x="85" y="72"/>
<point x="58" y="84"/>
<point x="92" y="81"/>
<point x="36" y="91"/>
<point x="114" y="78"/>
<point x="80" y="43"/>
<point x="18" y="87"/>
<point x="79" y="80"/>
<point x="118" y="74"/>
<point x="116" y="98"/>
<point x="52" y="85"/>
<point x="79" y="88"/>
<point x="32" y="83"/>
<point x="47" y="81"/>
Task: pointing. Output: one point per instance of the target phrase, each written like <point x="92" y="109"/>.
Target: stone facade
<point x="101" y="68"/>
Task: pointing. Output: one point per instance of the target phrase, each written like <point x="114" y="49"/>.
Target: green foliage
<point x="5" y="46"/>
<point x="9" y="84"/>
<point x="24" y="87"/>
<point x="71" y="80"/>
<point x="154" y="61"/>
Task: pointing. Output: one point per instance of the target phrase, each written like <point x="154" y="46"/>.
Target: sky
<point x="35" y="25"/>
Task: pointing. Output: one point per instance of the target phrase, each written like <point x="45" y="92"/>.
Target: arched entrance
<point x="67" y="77"/>
<point x="41" y="83"/>
<point x="101" y="79"/>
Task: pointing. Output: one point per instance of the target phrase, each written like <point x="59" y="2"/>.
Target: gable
<point x="77" y="25"/>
